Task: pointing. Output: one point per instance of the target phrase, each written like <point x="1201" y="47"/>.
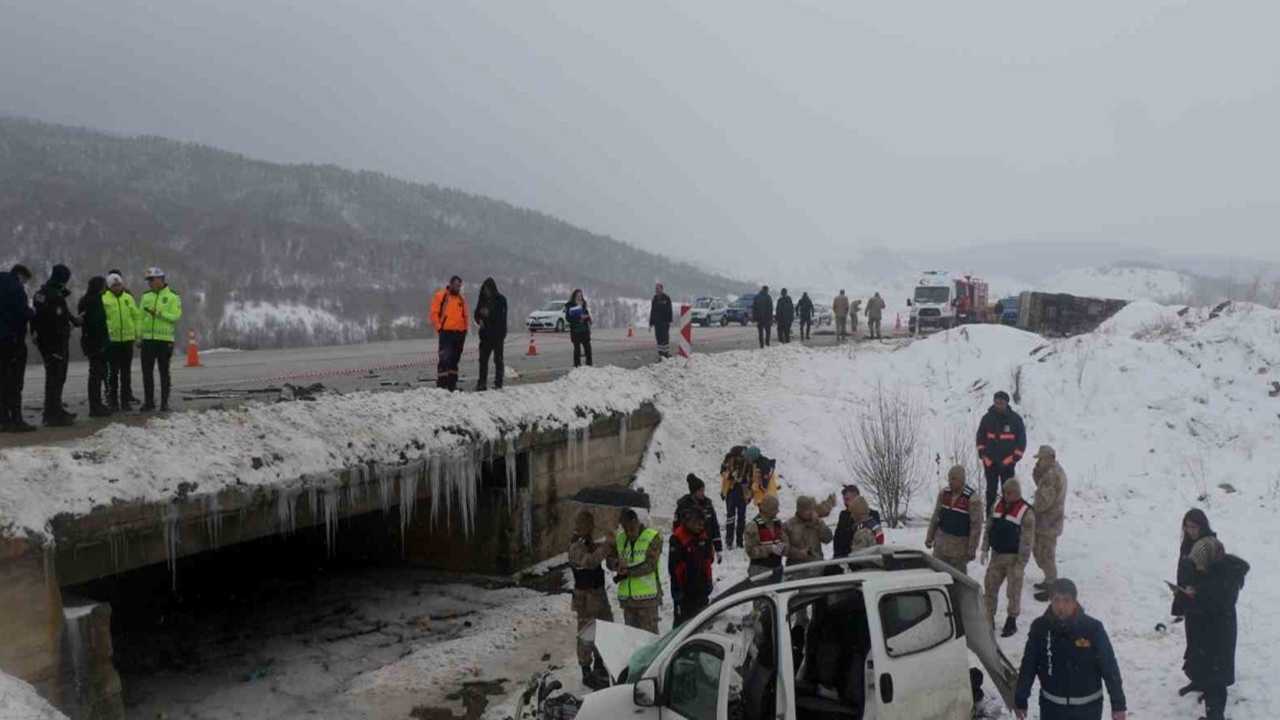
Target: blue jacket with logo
<point x="1071" y="659"/>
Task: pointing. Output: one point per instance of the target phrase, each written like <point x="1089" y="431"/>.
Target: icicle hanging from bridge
<point x="286" y="517"/>
<point x="331" y="501"/>
<point x="172" y="514"/>
<point x="509" y="463"/>
<point x="624" y="424"/>
<point x="213" y="518"/>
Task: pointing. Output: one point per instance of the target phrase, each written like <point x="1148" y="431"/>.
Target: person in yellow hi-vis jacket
<point x="123" y="322"/>
<point x="634" y="556"/>
<point x="161" y="309"/>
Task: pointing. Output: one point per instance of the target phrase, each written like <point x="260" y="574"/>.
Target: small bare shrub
<point x="883" y="451"/>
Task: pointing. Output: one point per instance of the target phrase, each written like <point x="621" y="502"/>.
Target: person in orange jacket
<point x="449" y="317"/>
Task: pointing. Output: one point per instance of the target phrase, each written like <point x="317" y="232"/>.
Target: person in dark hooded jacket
<point x="804" y="309"/>
<point x="491" y="315"/>
<point x="15" y="316"/>
<point x="95" y="341"/>
<point x="786" y="315"/>
<point x="762" y="315"/>
<point x="1210" y="581"/>
<point x="697" y="497"/>
<point x="579" y="318"/>
<point x="52" y="329"/>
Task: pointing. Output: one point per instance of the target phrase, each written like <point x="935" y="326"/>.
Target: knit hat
<point x="769" y="503"/>
<point x="752" y="454"/>
<point x="695" y="483"/>
<point x="61" y="274"/>
<point x="1014" y="485"/>
<point x="1002" y="395"/>
<point x="584" y="523"/>
<point x="114" y="279"/>
<point x="804" y="502"/>
<point x="1063" y="586"/>
<point x="957" y="470"/>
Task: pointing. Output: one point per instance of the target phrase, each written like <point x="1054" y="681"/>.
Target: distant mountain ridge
<point x="266" y="254"/>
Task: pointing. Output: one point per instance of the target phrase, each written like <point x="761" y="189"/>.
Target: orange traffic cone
<point x="631" y="331"/>
<point x="193" y="350"/>
<point x="533" y="347"/>
<point x="897" y="322"/>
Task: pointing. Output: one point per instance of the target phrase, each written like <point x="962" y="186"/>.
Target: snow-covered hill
<point x="1151" y="415"/>
<point x="1124" y="283"/>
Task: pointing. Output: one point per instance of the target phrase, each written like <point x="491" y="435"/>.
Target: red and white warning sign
<point x="684" y="338"/>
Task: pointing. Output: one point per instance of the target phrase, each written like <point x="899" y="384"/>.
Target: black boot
<point x="1010" y="627"/>
<point x="63" y="420"/>
<point x="1187" y="689"/>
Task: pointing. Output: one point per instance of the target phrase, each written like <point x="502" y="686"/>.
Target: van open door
<point x="918" y="650"/>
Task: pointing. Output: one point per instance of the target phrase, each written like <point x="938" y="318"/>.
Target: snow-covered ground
<point x="1152" y="414"/>
<point x="19" y="701"/>
<point x="248" y="316"/>
<point x="1124" y="283"/>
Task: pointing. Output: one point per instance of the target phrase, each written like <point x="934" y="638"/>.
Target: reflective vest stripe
<point x="634" y="554"/>
<point x="1058" y="700"/>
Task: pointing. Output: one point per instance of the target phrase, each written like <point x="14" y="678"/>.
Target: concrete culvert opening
<point x="339" y="595"/>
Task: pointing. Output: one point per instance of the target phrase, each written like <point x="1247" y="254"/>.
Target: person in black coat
<point x="762" y="315"/>
<point x="804" y="309"/>
<point x="786" y="316"/>
<point x="697" y="497"/>
<point x="579" y="318"/>
<point x="95" y="341"/>
<point x="15" y="317"/>
<point x="1210" y="582"/>
<point x="52" y="329"/>
<point x="491" y="315"/>
<point x="660" y="318"/>
<point x="1001" y="441"/>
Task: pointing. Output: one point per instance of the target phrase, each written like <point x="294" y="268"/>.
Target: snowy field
<point x="1151" y="415"/>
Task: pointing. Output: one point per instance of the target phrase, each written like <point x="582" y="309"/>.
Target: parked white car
<point x="887" y="637"/>
<point x="548" y="317"/>
<point x="708" y="311"/>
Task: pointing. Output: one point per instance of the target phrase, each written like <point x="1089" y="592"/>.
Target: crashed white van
<point x="883" y="635"/>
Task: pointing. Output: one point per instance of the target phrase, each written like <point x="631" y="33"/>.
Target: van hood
<point x="616" y="643"/>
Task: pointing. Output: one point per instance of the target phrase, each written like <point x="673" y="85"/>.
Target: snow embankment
<point x="19" y="701"/>
<point x="1151" y="415"/>
<point x="283" y="443"/>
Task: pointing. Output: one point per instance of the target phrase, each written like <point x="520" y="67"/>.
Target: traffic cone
<point x="193" y="350"/>
<point x="897" y="322"/>
<point x="631" y="331"/>
<point x="533" y="347"/>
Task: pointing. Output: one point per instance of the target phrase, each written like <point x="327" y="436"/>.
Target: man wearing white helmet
<point x="161" y="310"/>
<point x="123" y="322"/>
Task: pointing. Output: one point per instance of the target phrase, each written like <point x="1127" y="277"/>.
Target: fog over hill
<point x="274" y="255"/>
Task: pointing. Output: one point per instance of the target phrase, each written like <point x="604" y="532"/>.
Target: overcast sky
<point x="735" y="133"/>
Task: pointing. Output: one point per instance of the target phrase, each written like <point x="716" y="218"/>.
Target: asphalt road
<point x="228" y="378"/>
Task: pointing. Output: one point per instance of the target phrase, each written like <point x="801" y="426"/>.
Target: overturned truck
<point x="1063" y="315"/>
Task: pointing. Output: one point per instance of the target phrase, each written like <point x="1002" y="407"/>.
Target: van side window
<point x="693" y="681"/>
<point x="915" y="621"/>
